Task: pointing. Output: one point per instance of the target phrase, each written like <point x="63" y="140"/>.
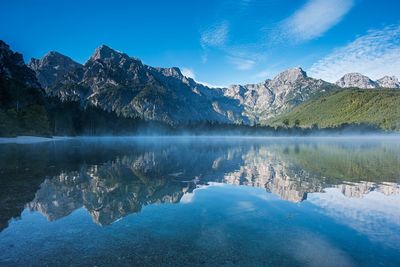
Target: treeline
<point x="56" y="118"/>
<point x="71" y="118"/>
<point x="22" y="110"/>
<point x="213" y="128"/>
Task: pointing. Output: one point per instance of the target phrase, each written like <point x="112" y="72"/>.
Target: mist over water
<point x="214" y="201"/>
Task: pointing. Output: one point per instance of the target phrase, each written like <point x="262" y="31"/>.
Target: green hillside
<point x="380" y="107"/>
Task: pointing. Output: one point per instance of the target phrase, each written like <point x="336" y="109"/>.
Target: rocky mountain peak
<point x="288" y="89"/>
<point x="290" y="76"/>
<point x="389" y="82"/>
<point x="104" y="52"/>
<point x="4" y="46"/>
<point x="51" y="58"/>
<point x="12" y="66"/>
<point x="51" y="67"/>
<point x="356" y="80"/>
<point x="7" y="55"/>
<point x="51" y="54"/>
<point x="172" y="72"/>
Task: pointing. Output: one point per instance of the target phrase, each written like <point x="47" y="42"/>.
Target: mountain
<point x="22" y="101"/>
<point x="115" y="82"/>
<point x="358" y="80"/>
<point x="52" y="67"/>
<point x="122" y="84"/>
<point x="352" y="106"/>
<point x="12" y="67"/>
<point x="113" y="93"/>
<point x="273" y="97"/>
<point x="25" y="108"/>
<point x="388" y="82"/>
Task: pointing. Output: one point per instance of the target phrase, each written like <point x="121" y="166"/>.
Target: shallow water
<point x="201" y="201"/>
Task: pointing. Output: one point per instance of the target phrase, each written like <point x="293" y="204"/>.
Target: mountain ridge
<point x="145" y="91"/>
<point x="359" y="80"/>
<point x="114" y="82"/>
<point x="140" y="90"/>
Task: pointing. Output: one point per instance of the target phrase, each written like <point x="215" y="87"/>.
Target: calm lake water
<point x="201" y="201"/>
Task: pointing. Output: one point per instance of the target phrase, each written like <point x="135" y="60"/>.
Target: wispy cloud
<point x="241" y="63"/>
<point x="264" y="74"/>
<point x="313" y="20"/>
<point x="375" y="54"/>
<point x="188" y="72"/>
<point x="215" y="36"/>
<point x="310" y="21"/>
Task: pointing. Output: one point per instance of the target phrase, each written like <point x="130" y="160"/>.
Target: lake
<point x="205" y="201"/>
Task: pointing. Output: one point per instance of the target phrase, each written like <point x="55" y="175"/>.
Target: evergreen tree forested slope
<point x="380" y="107"/>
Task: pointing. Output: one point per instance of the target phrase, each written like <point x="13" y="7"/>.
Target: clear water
<point x="201" y="202"/>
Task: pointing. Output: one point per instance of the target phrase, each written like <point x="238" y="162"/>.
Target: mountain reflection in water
<point x="112" y="179"/>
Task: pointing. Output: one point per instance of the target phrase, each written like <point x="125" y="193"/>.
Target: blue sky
<point x="216" y="42"/>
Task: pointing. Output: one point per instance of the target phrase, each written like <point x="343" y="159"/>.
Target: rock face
<point x="288" y="89"/>
<point x="360" y="81"/>
<point x="12" y="67"/>
<point x="388" y="82"/>
<point x="21" y="93"/>
<point x="116" y="82"/>
<point x="356" y="80"/>
<point x="52" y="67"/>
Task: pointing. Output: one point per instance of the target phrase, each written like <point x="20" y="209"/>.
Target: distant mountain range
<point x="360" y="81"/>
<point x="116" y="83"/>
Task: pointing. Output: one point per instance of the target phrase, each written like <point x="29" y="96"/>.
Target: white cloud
<point x="264" y="74"/>
<point x="188" y="72"/>
<point x="375" y="54"/>
<point x="241" y="63"/>
<point x="313" y="19"/>
<point x="215" y="36"/>
<point x="210" y="85"/>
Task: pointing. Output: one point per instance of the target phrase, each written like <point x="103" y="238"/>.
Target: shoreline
<point x="38" y="139"/>
<point x="26" y="139"/>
